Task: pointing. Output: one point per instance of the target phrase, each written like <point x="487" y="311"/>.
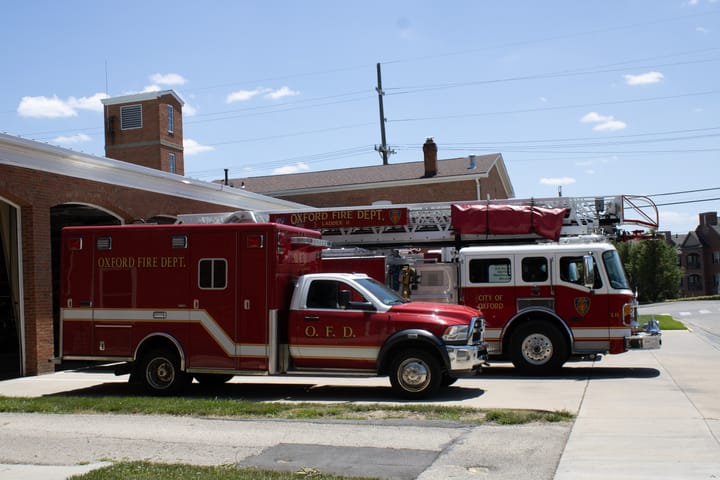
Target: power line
<point x="684" y="192"/>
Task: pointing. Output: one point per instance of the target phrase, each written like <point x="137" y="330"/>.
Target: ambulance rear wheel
<point x="161" y="372"/>
<point x="415" y="374"/>
<point x="538" y="348"/>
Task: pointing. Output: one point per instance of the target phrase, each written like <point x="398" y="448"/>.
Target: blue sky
<point x="601" y="97"/>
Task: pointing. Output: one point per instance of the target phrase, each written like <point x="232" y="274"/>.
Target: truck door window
<point x="325" y="294"/>
<point x="571" y="271"/>
<point x="490" y="270"/>
<point x="212" y="273"/>
<point x="534" y="269"/>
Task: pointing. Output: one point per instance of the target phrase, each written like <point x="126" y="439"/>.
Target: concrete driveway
<point x="653" y="414"/>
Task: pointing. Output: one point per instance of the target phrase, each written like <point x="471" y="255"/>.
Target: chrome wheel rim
<point x="537" y="349"/>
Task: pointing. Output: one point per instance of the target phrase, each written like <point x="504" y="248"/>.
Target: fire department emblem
<point x="395" y="216"/>
<point x="582" y="305"/>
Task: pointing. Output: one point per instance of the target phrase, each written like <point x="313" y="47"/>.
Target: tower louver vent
<point x="130" y="117"/>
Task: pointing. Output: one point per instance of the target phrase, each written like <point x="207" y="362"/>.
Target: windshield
<point x="381" y="292"/>
<point x="615" y="270"/>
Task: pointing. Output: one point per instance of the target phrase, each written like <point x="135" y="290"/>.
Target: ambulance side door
<point x="213" y="317"/>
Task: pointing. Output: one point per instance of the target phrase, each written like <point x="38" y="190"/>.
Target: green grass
<point x="153" y="471"/>
<point x="667" y="322"/>
<point x="228" y="408"/>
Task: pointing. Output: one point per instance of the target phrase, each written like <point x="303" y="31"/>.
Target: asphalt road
<point x="703" y="316"/>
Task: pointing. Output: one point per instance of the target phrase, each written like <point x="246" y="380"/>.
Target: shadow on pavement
<point x="573" y="373"/>
<point x="264" y="392"/>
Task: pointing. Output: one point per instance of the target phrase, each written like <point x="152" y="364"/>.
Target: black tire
<point x="538" y="348"/>
<point x="212" y="379"/>
<point x="415" y="374"/>
<point x="447" y="380"/>
<point x="161" y="374"/>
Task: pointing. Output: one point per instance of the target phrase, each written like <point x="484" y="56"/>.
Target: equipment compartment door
<point x="252" y="330"/>
<point x="213" y="325"/>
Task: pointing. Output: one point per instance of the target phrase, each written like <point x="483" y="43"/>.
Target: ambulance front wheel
<point x="538" y="348"/>
<point x="161" y="372"/>
<point x="415" y="374"/>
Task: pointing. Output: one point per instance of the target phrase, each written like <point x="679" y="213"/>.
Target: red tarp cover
<point x="507" y="220"/>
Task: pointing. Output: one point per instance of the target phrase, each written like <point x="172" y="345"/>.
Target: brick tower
<point x="146" y="129"/>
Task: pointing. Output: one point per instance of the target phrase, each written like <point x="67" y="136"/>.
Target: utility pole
<point x="383" y="149"/>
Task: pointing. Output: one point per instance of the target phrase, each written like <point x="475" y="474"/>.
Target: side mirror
<point x="588" y="271"/>
<point x="346" y="303"/>
<point x="344" y="298"/>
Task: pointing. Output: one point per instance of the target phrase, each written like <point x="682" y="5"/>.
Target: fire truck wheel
<point x="161" y="373"/>
<point x="415" y="374"/>
<point x="447" y="380"/>
<point x="538" y="348"/>
<point x="212" y="378"/>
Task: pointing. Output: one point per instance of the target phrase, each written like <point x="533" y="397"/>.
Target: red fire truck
<point x="542" y="272"/>
<point x="175" y="302"/>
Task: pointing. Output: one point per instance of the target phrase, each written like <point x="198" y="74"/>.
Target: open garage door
<point x="11" y="309"/>
<point x="67" y="215"/>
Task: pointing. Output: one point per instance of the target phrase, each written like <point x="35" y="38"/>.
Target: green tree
<point x="652" y="266"/>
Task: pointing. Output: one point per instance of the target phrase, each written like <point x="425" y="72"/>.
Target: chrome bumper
<point x="466" y="358"/>
<point x="650" y="338"/>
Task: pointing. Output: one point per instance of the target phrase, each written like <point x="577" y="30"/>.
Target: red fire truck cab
<point x="213" y="301"/>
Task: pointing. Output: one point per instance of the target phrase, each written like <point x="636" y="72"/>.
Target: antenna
<point x="106" y="79"/>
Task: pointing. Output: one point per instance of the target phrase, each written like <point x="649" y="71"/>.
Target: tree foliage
<point x="653" y="269"/>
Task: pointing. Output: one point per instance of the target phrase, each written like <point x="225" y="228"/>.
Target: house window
<point x="693" y="260"/>
<point x="131" y="117"/>
<point x="171" y="157"/>
<point x="716" y="257"/>
<point x="171" y="119"/>
<point x="694" y="282"/>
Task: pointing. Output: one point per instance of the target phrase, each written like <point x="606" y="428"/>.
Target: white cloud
<point x="590" y="172"/>
<point x="702" y="30"/>
<point x="297" y="168"/>
<point x="595" y="117"/>
<point x="244" y="95"/>
<point x="54" y="107"/>
<point x="604" y="122"/>
<point x="281" y="92"/>
<point x="72" y="139"/>
<point x="44" y="107"/>
<point x="151" y="88"/>
<point x="643" y="78"/>
<point x="557" y="181"/>
<point x="188" y="110"/>
<point x="192" y="147"/>
<point x="168" y="79"/>
<point x="610" y="126"/>
<point x="93" y="103"/>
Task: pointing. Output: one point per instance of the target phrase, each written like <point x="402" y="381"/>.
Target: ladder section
<point x="432" y="223"/>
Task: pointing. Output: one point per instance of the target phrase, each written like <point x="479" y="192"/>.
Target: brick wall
<point x="36" y="192"/>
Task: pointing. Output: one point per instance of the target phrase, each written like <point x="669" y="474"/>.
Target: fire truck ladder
<point x="431" y="223"/>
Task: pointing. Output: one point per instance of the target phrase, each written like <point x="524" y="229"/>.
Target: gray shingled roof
<point x="367" y="175"/>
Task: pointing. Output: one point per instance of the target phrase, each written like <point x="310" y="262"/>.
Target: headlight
<point x="456" y="333"/>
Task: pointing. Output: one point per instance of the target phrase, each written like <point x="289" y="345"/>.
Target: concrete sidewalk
<point x="652" y="414"/>
<point x="665" y="428"/>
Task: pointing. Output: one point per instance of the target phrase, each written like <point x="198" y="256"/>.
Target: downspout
<point x="477" y="188"/>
